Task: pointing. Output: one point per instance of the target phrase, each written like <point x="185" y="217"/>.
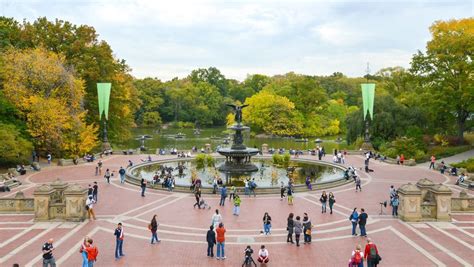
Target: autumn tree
<point x="50" y="99"/>
<point x="446" y="71"/>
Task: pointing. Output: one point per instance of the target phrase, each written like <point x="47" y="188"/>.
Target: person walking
<point x="307" y="226"/>
<point x="362" y="222"/>
<point x="371" y="254"/>
<point x="290" y="195"/>
<point x="290" y="225"/>
<point x="354" y="218"/>
<point x="267" y="223"/>
<point x="99" y="164"/>
<point x="432" y="162"/>
<point x="246" y="188"/>
<point x="153" y="226"/>
<point x="237" y="202"/>
<point x="395" y="202"/>
<point x="357" y="257"/>
<point x="90" y="190"/>
<point x="48" y="258"/>
<point x="119" y="241"/>
<point x="198" y="200"/>
<point x="83" y="251"/>
<point x="216" y="219"/>
<point x="358" y="182"/>
<point x="95" y="192"/>
<point x="90" y="207"/>
<point x="211" y="241"/>
<point x="49" y="158"/>
<point x="323" y="199"/>
<point x="107" y="176"/>
<point x="122" y="175"/>
<point x="282" y="191"/>
<point x="331" y="200"/>
<point x="143" y="186"/>
<point x="223" y="195"/>
<point x="298" y="230"/>
<point x="92" y="252"/>
<point x="220" y="231"/>
<point x="233" y="192"/>
<point x="263" y="255"/>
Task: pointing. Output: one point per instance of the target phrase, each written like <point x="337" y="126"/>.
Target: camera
<point x="248" y="252"/>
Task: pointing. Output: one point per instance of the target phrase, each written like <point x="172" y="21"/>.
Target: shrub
<point x="420" y="155"/>
<point x="409" y="147"/>
<point x="210" y="160"/>
<point x="200" y="161"/>
<point x="467" y="164"/>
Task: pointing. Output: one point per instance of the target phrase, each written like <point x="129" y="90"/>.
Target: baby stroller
<point x="203" y="204"/>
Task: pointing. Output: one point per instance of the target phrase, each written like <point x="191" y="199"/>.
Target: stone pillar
<point x="207" y="148"/>
<point x="424" y="185"/>
<point x="264" y="148"/>
<point x="75" y="197"/>
<point x="410" y="203"/>
<point x="42" y="197"/>
<point x="59" y="186"/>
<point x="442" y="196"/>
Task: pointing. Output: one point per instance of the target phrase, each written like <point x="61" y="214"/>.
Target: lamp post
<point x="103" y="94"/>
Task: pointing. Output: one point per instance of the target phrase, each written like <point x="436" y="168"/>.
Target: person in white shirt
<point x="263" y="255"/>
<point x="216" y="219"/>
<point x="90" y="207"/>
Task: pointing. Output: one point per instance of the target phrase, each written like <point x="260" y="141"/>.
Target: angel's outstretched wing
<point x="233" y="106"/>
<point x="244" y="106"/>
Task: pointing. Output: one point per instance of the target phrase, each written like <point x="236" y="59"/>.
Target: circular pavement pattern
<point x="183" y="229"/>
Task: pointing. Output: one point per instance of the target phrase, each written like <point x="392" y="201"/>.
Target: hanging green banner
<point x="368" y="95"/>
<point x="103" y="93"/>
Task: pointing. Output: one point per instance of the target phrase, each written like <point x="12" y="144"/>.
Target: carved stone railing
<point x="462" y="203"/>
<point x="18" y="204"/>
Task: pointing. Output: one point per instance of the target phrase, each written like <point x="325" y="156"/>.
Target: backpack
<point x="357" y="257"/>
<point x="373" y="253"/>
<point x="92" y="254"/>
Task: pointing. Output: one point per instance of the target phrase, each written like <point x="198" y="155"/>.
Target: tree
<point x="91" y="58"/>
<point x="211" y="75"/>
<point x="13" y="147"/>
<point x="49" y="98"/>
<point x="273" y="114"/>
<point x="150" y="92"/>
<point x="447" y="70"/>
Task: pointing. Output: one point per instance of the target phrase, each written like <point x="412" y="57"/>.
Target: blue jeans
<point x="154" y="236"/>
<point x="362" y="230"/>
<point x="247" y="191"/>
<point x="220" y="249"/>
<point x="85" y="261"/>
<point x="323" y="206"/>
<point x="354" y="226"/>
<point x="266" y="228"/>
<point x="143" y="191"/>
<point x="91" y="264"/>
<point x="122" y="178"/>
<point x="118" y="248"/>
<point x="221" y="203"/>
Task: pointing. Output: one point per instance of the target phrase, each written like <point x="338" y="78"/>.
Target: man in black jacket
<point x="211" y="241"/>
<point x="362" y="222"/>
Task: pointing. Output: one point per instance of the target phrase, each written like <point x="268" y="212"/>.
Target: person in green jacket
<point x="236" y="205"/>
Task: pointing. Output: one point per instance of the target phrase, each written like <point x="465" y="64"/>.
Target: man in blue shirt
<point x="119" y="241"/>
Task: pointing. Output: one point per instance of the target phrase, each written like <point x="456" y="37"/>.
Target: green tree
<point x="446" y="71"/>
<point x="212" y="76"/>
<point x="14" y="148"/>
<point x="150" y="91"/>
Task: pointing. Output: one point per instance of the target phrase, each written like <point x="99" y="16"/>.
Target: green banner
<point x="103" y="93"/>
<point x="368" y="95"/>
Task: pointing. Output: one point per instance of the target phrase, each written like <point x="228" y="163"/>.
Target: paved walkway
<point x="453" y="159"/>
<point x="182" y="229"/>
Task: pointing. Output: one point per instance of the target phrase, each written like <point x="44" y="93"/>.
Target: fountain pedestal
<point x="238" y="156"/>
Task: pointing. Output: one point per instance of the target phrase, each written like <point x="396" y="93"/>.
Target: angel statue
<point x="238" y="112"/>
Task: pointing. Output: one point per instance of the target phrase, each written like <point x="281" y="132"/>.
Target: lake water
<point x="166" y="139"/>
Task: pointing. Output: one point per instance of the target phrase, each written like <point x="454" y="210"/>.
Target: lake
<point x="166" y="138"/>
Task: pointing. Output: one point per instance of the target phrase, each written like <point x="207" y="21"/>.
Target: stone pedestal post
<point x="424" y="185"/>
<point x="42" y="197"/>
<point x="442" y="196"/>
<point x="264" y="148"/>
<point x="410" y="203"/>
<point x="59" y="186"/>
<point x="207" y="148"/>
<point x="75" y="197"/>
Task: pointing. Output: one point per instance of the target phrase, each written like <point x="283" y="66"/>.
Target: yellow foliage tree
<point x="50" y="98"/>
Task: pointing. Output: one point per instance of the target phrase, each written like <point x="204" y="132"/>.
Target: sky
<point x="167" y="39"/>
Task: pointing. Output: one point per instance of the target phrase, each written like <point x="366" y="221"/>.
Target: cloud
<point x="339" y="34"/>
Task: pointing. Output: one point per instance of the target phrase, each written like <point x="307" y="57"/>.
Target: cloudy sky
<point x="167" y="39"/>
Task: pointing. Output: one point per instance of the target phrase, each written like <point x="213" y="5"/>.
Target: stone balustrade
<point x="17" y="204"/>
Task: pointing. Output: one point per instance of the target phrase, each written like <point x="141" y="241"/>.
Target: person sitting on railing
<point x="460" y="179"/>
<point x="454" y="171"/>
<point x="4" y="187"/>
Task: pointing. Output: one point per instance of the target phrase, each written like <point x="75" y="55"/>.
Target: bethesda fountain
<point x="237" y="157"/>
